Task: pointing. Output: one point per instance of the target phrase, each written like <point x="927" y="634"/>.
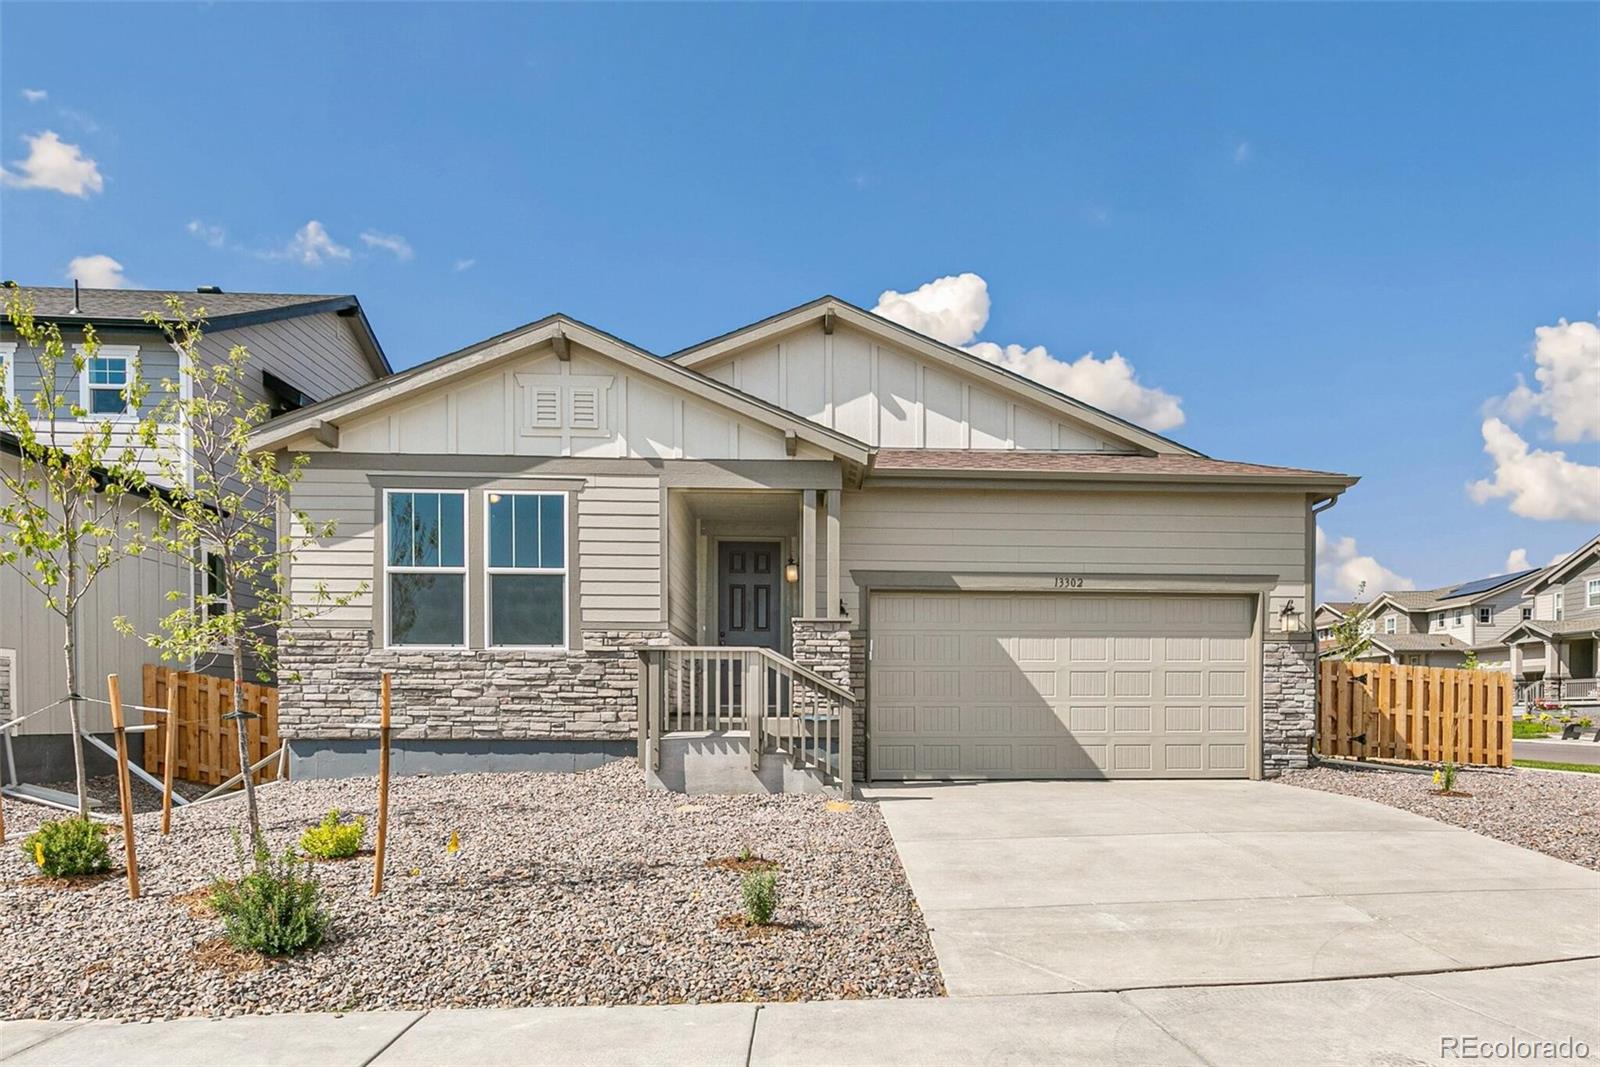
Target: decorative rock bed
<point x="1547" y="811"/>
<point x="567" y="889"/>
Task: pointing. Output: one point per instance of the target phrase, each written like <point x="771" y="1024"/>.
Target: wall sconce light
<point x="791" y="571"/>
<point x="1288" y="618"/>
<point x="494" y="498"/>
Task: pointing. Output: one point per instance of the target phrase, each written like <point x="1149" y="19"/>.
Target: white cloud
<point x="35" y="96"/>
<point x="1568" y="375"/>
<point x="392" y="243"/>
<point x="1242" y="153"/>
<point x="951" y="309"/>
<point x="213" y="235"/>
<point x="1516" y="560"/>
<point x="312" y="246"/>
<point x="98" y="271"/>
<point x="954" y="309"/>
<point x="1540" y="484"/>
<point x="465" y="264"/>
<point x="1343" y="572"/>
<point x="54" y="164"/>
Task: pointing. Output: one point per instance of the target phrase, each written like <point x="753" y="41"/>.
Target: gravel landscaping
<point x="566" y="889"/>
<point x="1548" y="811"/>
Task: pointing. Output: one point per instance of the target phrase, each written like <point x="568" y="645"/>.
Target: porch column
<point x="1516" y="662"/>
<point x="808" y="554"/>
<point x="831" y="608"/>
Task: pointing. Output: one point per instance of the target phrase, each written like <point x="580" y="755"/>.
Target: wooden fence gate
<point x="207" y="751"/>
<point x="1430" y="714"/>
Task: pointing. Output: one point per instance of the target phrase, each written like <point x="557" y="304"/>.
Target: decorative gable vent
<point x="544" y="407"/>
<point x="585" y="409"/>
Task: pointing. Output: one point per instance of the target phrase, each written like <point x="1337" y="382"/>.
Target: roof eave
<point x="1319" y="483"/>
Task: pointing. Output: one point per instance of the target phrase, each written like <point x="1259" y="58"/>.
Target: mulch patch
<point x="215" y="952"/>
<point x="742" y="864"/>
<point x="1449" y="793"/>
<point x="752" y="929"/>
<point x="197" y="902"/>
<point x="71" y="881"/>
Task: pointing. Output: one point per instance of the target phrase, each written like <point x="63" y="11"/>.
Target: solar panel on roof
<point x="1487" y="583"/>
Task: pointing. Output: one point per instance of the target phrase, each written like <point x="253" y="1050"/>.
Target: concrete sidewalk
<point x="1352" y="1021"/>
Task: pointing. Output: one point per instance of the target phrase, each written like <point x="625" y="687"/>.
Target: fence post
<point x="168" y="759"/>
<point x="124" y="786"/>
<point x="383" y="787"/>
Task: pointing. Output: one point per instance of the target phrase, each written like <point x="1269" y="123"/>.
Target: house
<point x="302" y="348"/>
<point x="950" y="571"/>
<point x="1553" y="647"/>
<point x="1441" y="627"/>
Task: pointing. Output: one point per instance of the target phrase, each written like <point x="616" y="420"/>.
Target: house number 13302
<point x="1064" y="581"/>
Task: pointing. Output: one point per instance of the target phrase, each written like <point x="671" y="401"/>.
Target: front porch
<point x="756" y="692"/>
<point x="1555" y="668"/>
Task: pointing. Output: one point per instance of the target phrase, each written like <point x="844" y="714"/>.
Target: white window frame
<point x="8" y="360"/>
<point x="461" y="571"/>
<point x="1390" y="624"/>
<point x="1591" y="593"/>
<point x="129" y="354"/>
<point x="1527" y="613"/>
<point x="1560" y="604"/>
<point x="1460" y="618"/>
<point x="565" y="570"/>
<point x="1485" y="615"/>
<point x="210" y="607"/>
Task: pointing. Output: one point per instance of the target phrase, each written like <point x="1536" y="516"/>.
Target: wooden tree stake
<point x="124" y="783"/>
<point x="169" y="757"/>
<point x="383" y="787"/>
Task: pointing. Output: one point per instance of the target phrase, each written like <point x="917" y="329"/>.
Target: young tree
<point x="1352" y="635"/>
<point x="65" y="516"/>
<point x="224" y="520"/>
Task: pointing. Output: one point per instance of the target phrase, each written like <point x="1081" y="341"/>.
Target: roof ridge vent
<point x="208" y="289"/>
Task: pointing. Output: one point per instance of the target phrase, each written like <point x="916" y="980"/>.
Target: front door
<point x="747" y="593"/>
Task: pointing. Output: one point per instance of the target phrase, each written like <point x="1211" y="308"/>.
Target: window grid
<point x="547" y="524"/>
<point x="1486" y="615"/>
<point x="1591" y="593"/>
<point x="106" y="374"/>
<point x="391" y="539"/>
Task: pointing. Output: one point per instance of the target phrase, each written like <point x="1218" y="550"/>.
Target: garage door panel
<point x="1139" y="687"/>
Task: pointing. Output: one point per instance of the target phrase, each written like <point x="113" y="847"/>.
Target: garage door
<point x="968" y="685"/>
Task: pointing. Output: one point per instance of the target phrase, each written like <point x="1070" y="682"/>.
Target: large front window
<point x="527" y="571"/>
<point x="427" y="568"/>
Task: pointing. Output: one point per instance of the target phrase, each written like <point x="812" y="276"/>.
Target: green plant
<point x="1548" y="765"/>
<point x="64" y="847"/>
<point x="746" y="855"/>
<point x="332" y="839"/>
<point x="1352" y="634"/>
<point x="1469" y="662"/>
<point x="760" y="892"/>
<point x="1445" y="776"/>
<point x="273" y="908"/>
<point x="1531" y="727"/>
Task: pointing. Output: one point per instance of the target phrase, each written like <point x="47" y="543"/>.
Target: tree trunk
<point x="70" y="648"/>
<point x="242" y="729"/>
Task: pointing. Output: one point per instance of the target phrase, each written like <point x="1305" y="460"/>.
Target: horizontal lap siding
<point x="619" y="551"/>
<point x="344" y="561"/>
<point x="1081" y="531"/>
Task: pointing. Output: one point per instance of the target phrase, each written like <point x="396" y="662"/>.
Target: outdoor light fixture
<point x="494" y="498"/>
<point x="791" y="571"/>
<point x="1288" y="618"/>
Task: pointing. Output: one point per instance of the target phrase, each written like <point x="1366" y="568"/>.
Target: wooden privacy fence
<point x="206" y="749"/>
<point x="1427" y="714"/>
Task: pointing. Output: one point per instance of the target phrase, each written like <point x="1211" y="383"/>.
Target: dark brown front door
<point x="748" y="573"/>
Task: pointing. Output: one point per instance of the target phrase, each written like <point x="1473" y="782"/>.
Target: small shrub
<point x="333" y="839"/>
<point x="1445" y="777"/>
<point x="760" y="892"/>
<point x="64" y="847"/>
<point x="273" y="908"/>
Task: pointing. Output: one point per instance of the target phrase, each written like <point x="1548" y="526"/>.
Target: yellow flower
<point x="38" y="854"/>
<point x="1437" y="778"/>
<point x="455" y="843"/>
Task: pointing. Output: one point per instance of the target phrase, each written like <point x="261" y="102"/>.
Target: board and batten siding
<point x="885" y="395"/>
<point x="1078" y="532"/>
<point x="617" y="565"/>
<point x="135" y="587"/>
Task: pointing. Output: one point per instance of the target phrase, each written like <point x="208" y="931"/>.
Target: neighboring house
<point x="1440" y="627"/>
<point x="1329" y="614"/>
<point x="302" y="348"/>
<point x="1554" y="647"/>
<point x="1011" y="583"/>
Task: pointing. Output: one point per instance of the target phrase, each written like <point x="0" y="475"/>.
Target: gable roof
<point x="1544" y="628"/>
<point x="1338" y="607"/>
<point x="1409" y="600"/>
<point x="552" y="329"/>
<point x="708" y="351"/>
<point x="1563" y="567"/>
<point x="126" y="308"/>
<point x="1417" y="643"/>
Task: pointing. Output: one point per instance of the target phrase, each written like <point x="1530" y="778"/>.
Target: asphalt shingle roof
<point x="129" y="305"/>
<point x="939" y="459"/>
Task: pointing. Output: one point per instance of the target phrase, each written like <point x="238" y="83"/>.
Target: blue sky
<point x="1330" y="231"/>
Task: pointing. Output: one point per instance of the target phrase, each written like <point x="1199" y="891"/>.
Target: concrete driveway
<point x="1033" y="887"/>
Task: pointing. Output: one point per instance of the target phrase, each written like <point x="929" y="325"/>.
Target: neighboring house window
<point x="282" y="397"/>
<point x="8" y="367"/>
<point x="214" y="598"/>
<point x="1388" y="624"/>
<point x="1461" y="617"/>
<point x="1560" y="606"/>
<point x="1485" y="614"/>
<point x="1527" y="613"/>
<point x="425" y="555"/>
<point x="106" y="377"/>
<point x="527" y="572"/>
<point x="1591" y="593"/>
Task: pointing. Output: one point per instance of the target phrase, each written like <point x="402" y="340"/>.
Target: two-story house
<point x="1553" y="649"/>
<point x="1440" y="627"/>
<point x="303" y="348"/>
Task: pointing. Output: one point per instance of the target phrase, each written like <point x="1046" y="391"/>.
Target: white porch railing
<point x="1558" y="690"/>
<point x="782" y="706"/>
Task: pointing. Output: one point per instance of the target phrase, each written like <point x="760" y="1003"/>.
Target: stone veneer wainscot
<point x="1288" y="702"/>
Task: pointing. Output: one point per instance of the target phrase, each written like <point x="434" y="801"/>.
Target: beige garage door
<point x="969" y="685"/>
